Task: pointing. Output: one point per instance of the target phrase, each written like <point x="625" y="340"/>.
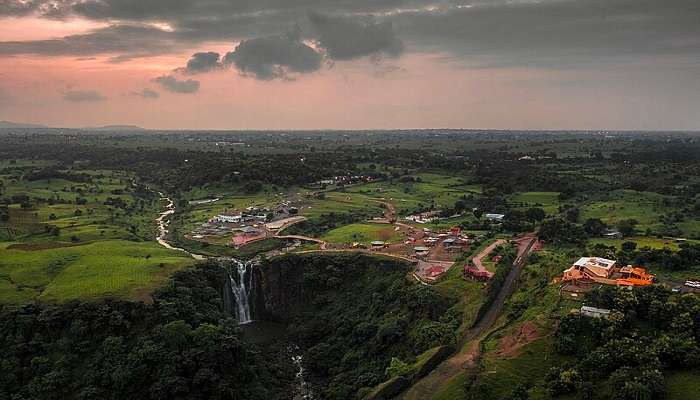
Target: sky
<point x="352" y="64"/>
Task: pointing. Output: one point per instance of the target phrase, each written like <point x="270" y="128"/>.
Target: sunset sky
<point x="352" y="64"/>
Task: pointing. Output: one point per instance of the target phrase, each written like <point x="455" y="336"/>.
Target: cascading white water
<point x="303" y="390"/>
<point x="241" y="277"/>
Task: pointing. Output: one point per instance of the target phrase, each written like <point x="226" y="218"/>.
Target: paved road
<point x="464" y="359"/>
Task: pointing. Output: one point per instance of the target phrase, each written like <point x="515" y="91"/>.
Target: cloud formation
<point x="172" y="84"/>
<point x="344" y="38"/>
<point x="274" y="57"/>
<point x="544" y="33"/>
<point x="203" y="62"/>
<point x="83" y="96"/>
<point x="147" y="93"/>
<point x="131" y="39"/>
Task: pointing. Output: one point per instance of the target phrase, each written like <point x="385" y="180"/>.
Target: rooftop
<point x="595" y="262"/>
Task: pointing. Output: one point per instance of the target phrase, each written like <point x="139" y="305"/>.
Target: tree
<point x="594" y="226"/>
<point x="519" y="393"/>
<point x="535" y="214"/>
<point x="626" y="226"/>
<point x="629" y="247"/>
<point x="572" y="214"/>
<point x="252" y="187"/>
<point x="397" y="368"/>
<point x="460" y="206"/>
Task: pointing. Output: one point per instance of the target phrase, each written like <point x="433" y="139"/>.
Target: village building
<point x="612" y="234"/>
<point x="590" y="267"/>
<point x="423" y="218"/>
<point x="454" y="243"/>
<point x="230" y="217"/>
<point x="377" y="244"/>
<point x="421" y="251"/>
<point x="472" y="273"/>
<point x="597" y="270"/>
<point x="495" y="217"/>
<point x="594" y="312"/>
<point x="434" y="271"/>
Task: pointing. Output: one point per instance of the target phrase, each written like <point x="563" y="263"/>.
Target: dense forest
<point x="183" y="346"/>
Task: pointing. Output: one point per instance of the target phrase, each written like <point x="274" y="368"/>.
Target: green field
<point x="107" y="268"/>
<point x="363" y="233"/>
<point x="641" y="241"/>
<point x="548" y="201"/>
<point x="683" y="385"/>
<point x="646" y="208"/>
<point x="441" y="191"/>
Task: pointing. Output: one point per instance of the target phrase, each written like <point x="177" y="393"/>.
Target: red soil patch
<point x="510" y="345"/>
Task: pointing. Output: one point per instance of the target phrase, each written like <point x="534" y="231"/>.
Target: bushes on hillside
<point x="648" y="331"/>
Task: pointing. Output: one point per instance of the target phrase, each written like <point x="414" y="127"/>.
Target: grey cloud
<point x="83" y="96"/>
<point x="203" y="62"/>
<point x="124" y="38"/>
<point x="172" y="84"/>
<point x="344" y="38"/>
<point x="147" y="93"/>
<point x="274" y="57"/>
<point x="556" y="33"/>
<point x="549" y="33"/>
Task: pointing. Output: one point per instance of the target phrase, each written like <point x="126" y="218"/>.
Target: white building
<point x="230" y="218"/>
<point x="495" y="217"/>
<point x="594" y="312"/>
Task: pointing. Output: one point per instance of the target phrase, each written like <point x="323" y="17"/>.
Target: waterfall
<point x="241" y="287"/>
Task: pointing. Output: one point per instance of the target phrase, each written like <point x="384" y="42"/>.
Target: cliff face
<point x="290" y="284"/>
<point x="280" y="289"/>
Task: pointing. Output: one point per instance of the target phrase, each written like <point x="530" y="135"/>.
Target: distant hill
<point x="117" y="128"/>
<point x="8" y="124"/>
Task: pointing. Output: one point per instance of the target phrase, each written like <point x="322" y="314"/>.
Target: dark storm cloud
<point x="345" y="39"/>
<point x="130" y="39"/>
<point x="547" y="33"/>
<point x="203" y="62"/>
<point x="172" y="84"/>
<point x="555" y="33"/>
<point x="272" y="57"/>
<point x="147" y="93"/>
<point x="83" y="96"/>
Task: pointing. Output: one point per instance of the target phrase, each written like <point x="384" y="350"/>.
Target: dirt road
<point x="465" y="357"/>
<point x="485" y="252"/>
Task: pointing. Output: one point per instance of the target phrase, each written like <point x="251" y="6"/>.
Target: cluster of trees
<point x="521" y="221"/>
<point x="649" y="331"/>
<point x="4" y="213"/>
<point x="181" y="346"/>
<point x="566" y="229"/>
<point x="55" y="172"/>
<point x="688" y="255"/>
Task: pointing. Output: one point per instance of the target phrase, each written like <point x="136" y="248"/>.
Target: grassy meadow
<point x="81" y="239"/>
<point x="363" y="233"/>
<point x="105" y="268"/>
